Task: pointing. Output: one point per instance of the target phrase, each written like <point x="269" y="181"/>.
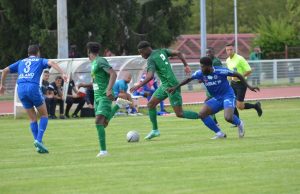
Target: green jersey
<point x="158" y="63"/>
<point x="100" y="75"/>
<point x="216" y="62"/>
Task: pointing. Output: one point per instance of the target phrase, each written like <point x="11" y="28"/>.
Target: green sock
<point x="153" y="118"/>
<point x="101" y="137"/>
<point x="190" y="115"/>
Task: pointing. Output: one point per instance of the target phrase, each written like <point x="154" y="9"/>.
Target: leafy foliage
<point x="276" y="33"/>
<point x="117" y="24"/>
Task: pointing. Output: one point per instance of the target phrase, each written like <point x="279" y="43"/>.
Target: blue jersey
<point x="120" y="85"/>
<point x="216" y="82"/>
<point x="29" y="69"/>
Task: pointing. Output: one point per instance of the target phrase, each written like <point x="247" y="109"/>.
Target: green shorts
<point x="175" y="98"/>
<point x="103" y="106"/>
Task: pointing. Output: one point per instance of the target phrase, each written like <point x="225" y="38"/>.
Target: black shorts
<point x="239" y="90"/>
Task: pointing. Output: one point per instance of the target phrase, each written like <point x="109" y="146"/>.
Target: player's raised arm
<point x="148" y="77"/>
<point x="244" y="82"/>
<point x="3" y="78"/>
<point x="55" y="66"/>
<point x="184" y="82"/>
<point x="177" y="53"/>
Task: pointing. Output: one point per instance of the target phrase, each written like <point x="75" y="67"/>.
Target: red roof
<point x="191" y="47"/>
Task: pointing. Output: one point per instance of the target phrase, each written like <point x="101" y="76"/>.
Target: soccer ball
<point x="133" y="136"/>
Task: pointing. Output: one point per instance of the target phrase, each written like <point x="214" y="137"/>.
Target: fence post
<point x="275" y="72"/>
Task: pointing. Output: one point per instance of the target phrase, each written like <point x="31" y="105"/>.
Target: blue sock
<point x="42" y="129"/>
<point x="133" y="110"/>
<point x="209" y="122"/>
<point x="236" y="121"/>
<point x="34" y="129"/>
<point x="162" y="106"/>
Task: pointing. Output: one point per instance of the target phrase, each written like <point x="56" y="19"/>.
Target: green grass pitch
<point x="182" y="160"/>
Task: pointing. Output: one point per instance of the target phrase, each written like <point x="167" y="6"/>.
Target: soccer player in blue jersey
<point x="29" y="72"/>
<point x="215" y="80"/>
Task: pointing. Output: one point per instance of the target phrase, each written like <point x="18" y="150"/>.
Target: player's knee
<point x="150" y="105"/>
<point x="99" y="120"/>
<point x="229" y="118"/>
<point x="202" y="115"/>
<point x="240" y="106"/>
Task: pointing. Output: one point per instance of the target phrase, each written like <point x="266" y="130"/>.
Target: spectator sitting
<point x="55" y="94"/>
<point x="89" y="97"/>
<point x="120" y="91"/>
<point x="78" y="97"/>
<point x="44" y="89"/>
<point x="148" y="90"/>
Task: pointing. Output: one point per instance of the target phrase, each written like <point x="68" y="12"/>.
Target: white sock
<point x="103" y="152"/>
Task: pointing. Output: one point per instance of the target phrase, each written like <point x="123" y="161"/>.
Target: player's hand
<point x="171" y="90"/>
<point x="187" y="70"/>
<point x="109" y="95"/>
<point x="2" y="89"/>
<point x="254" y="89"/>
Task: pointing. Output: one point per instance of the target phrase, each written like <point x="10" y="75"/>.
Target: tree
<point x="117" y="24"/>
<point x="220" y="15"/>
<point x="162" y="21"/>
<point x="14" y="31"/>
<point x="274" y="34"/>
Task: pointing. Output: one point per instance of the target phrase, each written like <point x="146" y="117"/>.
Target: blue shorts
<point x="30" y="95"/>
<point x="219" y="104"/>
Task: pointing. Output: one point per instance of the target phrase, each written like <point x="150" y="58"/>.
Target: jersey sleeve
<point x="104" y="65"/>
<point x="245" y="65"/>
<point x="217" y="62"/>
<point x="13" y="68"/>
<point x="197" y="75"/>
<point x="225" y="71"/>
<point x="151" y="66"/>
<point x="168" y="52"/>
<point x="45" y="63"/>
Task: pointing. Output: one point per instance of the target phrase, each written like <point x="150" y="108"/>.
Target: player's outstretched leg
<point x="209" y="122"/>
<point x="206" y="111"/>
<point x="153" y="114"/>
<point x="153" y="118"/>
<point x="230" y="117"/>
<point x="120" y="103"/>
<point x="38" y="143"/>
<point x="34" y="129"/>
<point x="102" y="141"/>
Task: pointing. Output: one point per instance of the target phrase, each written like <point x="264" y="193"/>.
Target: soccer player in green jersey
<point x="157" y="62"/>
<point x="104" y="78"/>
